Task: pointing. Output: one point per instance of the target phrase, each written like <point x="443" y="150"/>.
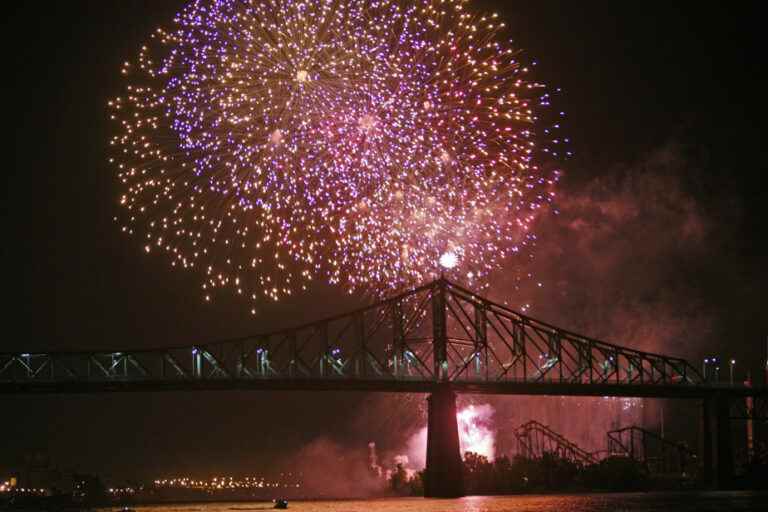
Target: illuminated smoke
<point x="373" y="460"/>
<point x="401" y="459"/>
<point x="351" y="474"/>
<point x="475" y="432"/>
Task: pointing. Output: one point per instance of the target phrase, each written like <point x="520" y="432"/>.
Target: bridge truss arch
<point x="435" y="334"/>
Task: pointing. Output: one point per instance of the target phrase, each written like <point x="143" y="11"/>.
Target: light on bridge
<point x="449" y="260"/>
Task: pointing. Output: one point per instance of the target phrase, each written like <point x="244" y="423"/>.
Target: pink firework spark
<point x="264" y="144"/>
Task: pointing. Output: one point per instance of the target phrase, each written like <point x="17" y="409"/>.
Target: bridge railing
<point x="440" y="332"/>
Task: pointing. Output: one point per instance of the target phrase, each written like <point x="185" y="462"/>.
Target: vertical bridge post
<point x="398" y="340"/>
<point x="717" y="450"/>
<point x="439" y="332"/>
<point x="443" y="477"/>
<point x="480" y="355"/>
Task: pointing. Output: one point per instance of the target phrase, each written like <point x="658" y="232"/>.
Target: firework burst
<point x="266" y="143"/>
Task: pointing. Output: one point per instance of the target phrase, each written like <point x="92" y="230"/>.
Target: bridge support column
<point x="443" y="477"/>
<point x="717" y="449"/>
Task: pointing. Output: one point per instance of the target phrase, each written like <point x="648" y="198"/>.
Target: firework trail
<point x="266" y="143"/>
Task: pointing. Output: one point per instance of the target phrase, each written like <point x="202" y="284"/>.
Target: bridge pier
<point x="717" y="448"/>
<point x="443" y="477"/>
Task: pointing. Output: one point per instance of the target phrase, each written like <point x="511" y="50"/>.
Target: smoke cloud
<point x="626" y="257"/>
<point x="622" y="258"/>
<point x="332" y="470"/>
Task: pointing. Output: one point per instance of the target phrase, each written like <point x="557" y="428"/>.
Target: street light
<point x="733" y="362"/>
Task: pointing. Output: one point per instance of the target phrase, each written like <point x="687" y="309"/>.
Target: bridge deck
<point x="401" y="386"/>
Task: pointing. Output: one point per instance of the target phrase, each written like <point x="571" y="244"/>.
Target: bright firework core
<point x="449" y="260"/>
<point x="421" y="130"/>
<point x="367" y="122"/>
<point x="475" y="434"/>
<point x="276" y="137"/>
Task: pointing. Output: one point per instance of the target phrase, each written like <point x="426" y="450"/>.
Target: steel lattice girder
<point x="439" y="332"/>
<point x="513" y="346"/>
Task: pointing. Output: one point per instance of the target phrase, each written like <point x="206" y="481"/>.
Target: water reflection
<point x="638" y="502"/>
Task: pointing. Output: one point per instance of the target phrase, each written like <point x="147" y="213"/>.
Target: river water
<point x="639" y="502"/>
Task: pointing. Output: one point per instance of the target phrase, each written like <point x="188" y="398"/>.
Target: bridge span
<point x="434" y="334"/>
<point x="439" y="339"/>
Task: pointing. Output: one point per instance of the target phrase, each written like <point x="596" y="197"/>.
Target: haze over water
<point x="636" y="502"/>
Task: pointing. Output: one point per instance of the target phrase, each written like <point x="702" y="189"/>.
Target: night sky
<point x="665" y="107"/>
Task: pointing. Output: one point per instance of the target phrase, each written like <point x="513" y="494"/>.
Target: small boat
<point x="281" y="503"/>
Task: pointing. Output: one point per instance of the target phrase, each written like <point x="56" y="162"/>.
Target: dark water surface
<point x="639" y="502"/>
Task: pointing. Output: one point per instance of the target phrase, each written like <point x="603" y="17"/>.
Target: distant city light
<point x="226" y="483"/>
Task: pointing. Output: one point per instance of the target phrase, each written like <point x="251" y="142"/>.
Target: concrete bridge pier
<point x="717" y="447"/>
<point x="443" y="477"/>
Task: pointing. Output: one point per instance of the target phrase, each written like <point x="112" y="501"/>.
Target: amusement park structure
<point x="535" y="439"/>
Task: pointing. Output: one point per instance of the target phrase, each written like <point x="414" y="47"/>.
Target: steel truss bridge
<point x="535" y="440"/>
<point x="438" y="333"/>
<point x="439" y="338"/>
